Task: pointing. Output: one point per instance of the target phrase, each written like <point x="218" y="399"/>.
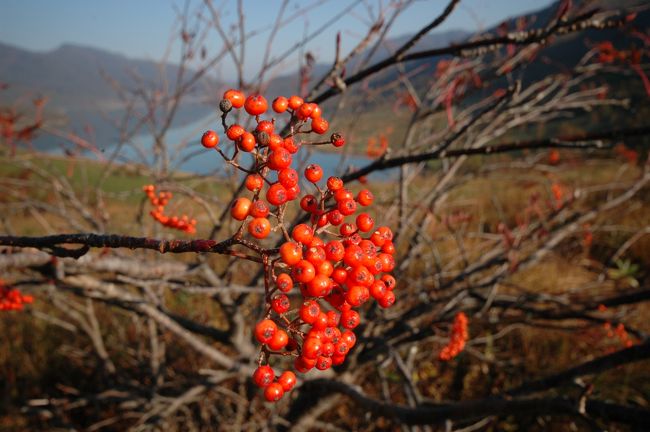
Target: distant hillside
<point x="73" y="76"/>
<point x="79" y="97"/>
<point x="288" y="84"/>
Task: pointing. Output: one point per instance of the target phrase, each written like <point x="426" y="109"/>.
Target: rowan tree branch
<point x="600" y="364"/>
<point x="53" y="244"/>
<point x="481" y="46"/>
<point x="592" y="140"/>
<point x="429" y="413"/>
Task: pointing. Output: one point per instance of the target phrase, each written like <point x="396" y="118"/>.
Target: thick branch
<point x="600" y="364"/>
<point x="475" y="409"/>
<point x="479" y="46"/>
<point x="54" y="244"/>
<point x="583" y="141"/>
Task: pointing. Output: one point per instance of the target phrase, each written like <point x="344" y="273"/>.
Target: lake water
<point x="185" y="149"/>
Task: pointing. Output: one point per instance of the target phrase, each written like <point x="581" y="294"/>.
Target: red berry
<point x="357" y="295"/>
<point x="311" y="348"/>
<point x="365" y="223"/>
<point x="259" y="228"/>
<point x="287" y="380"/>
<point x="333" y="318"/>
<point x="273" y="392"/>
<point x="378" y="289"/>
<point x="315" y="255"/>
<point x="353" y="256"/>
<point x="280" y="303"/>
<point x="320" y="125"/>
<point x="335" y="217"/>
<point x="255" y="105"/>
<point x="254" y="182"/>
<point x="279" y="340"/>
<point x="321" y="324"/>
<point x="365" y="197"/>
<point x="387" y="300"/>
<point x="347" y="207"/>
<point x="235" y="97"/>
<point x="265" y="126"/>
<point x="290" y="253"/>
<point x="337" y="140"/>
<point x="295" y="102"/>
<point x="259" y="209"/>
<point x="263" y="376"/>
<point x="264" y="330"/>
<point x="280" y="104"/>
<point x="342" y="194"/>
<point x="313" y="173"/>
<point x="304" y="111"/>
<point x="387" y="262"/>
<point x="319" y="286"/>
<point x="303" y="271"/>
<point x="240" y="208"/>
<point x="350" y="319"/>
<point x="334" y="183"/>
<point x="291" y="145"/>
<point x="235" y="131"/>
<point x="304" y="365"/>
<point x="309" y="203"/>
<point x="210" y="139"/>
<point x="246" y="142"/>
<point x="279" y="158"/>
<point x="288" y="177"/>
<point x="389" y="281"/>
<point x="284" y="282"/>
<point x="302" y="234"/>
<point x="349" y="338"/>
<point x="309" y="311"/>
<point x="334" y="250"/>
<point x="276" y="141"/>
<point x="293" y="192"/>
<point x="323" y="363"/>
<point x="339" y="275"/>
<point x="276" y="194"/>
<point x="316" y="112"/>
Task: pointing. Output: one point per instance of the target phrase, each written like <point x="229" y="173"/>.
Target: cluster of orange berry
<point x="12" y="299"/>
<point x="457" y="338"/>
<point x="159" y="201"/>
<point x="619" y="331"/>
<point x="335" y="275"/>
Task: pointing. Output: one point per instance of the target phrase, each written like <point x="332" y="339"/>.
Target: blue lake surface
<point x="187" y="154"/>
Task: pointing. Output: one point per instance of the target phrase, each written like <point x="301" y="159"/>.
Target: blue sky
<point x="141" y="28"/>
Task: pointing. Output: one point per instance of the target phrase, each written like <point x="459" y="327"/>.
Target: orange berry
<point x="255" y="105"/>
<point x="265" y="330"/>
<point x="259" y="228"/>
<point x="240" y="208"/>
<point x="302" y="234"/>
<point x="254" y="182"/>
<point x="319" y="125"/>
<point x="235" y="131"/>
<point x="295" y="102"/>
<point x="246" y="142"/>
<point x="287" y="380"/>
<point x="210" y="139"/>
<point x="273" y="392"/>
<point x="235" y="97"/>
<point x="304" y="111"/>
<point x="280" y="104"/>
<point x="313" y="173"/>
<point x="290" y="253"/>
